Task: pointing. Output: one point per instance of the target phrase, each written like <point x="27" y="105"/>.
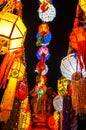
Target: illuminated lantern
<point x="82" y="4"/>
<point x="17" y="70"/>
<point x="43" y="29"/>
<point x="62" y="86"/>
<point x="69" y="65"/>
<point x="48" y="15"/>
<point x="77" y="39"/>
<point x="43" y="53"/>
<point x="58" y="103"/>
<point x="46" y="39"/>
<point x="21" y="90"/>
<point x="12" y="32"/>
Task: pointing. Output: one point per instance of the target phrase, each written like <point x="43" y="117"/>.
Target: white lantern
<point x="69" y="66"/>
<point x="58" y="103"/>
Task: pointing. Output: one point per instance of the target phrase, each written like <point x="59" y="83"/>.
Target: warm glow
<point x="82" y="4"/>
<point x="13" y="30"/>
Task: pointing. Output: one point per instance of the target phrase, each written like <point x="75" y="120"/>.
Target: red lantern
<point x="22" y="90"/>
<point x="51" y="122"/>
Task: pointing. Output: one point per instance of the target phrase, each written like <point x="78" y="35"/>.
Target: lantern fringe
<point x="78" y="93"/>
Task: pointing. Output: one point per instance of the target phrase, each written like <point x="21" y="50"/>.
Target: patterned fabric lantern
<point x="45" y="40"/>
<point x="48" y="15"/>
<point x="43" y="53"/>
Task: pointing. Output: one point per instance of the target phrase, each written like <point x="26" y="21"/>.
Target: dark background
<point x="60" y="28"/>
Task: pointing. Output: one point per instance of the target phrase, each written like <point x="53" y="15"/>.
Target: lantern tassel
<point x="7" y="70"/>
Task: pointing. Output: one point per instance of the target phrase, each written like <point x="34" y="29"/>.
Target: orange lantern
<point x="43" y="29"/>
<point x="77" y="38"/>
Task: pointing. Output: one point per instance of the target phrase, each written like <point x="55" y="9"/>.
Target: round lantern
<point x="43" y="53"/>
<point x="82" y="4"/>
<point x="69" y="65"/>
<point x="43" y="29"/>
<point x="12" y="32"/>
<point x="58" y="103"/>
<point x="46" y="39"/>
<point x="48" y="15"/>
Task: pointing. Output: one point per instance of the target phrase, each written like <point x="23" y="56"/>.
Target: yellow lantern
<point x="17" y="71"/>
<point x="62" y="86"/>
<point x="12" y="32"/>
<point x="82" y="4"/>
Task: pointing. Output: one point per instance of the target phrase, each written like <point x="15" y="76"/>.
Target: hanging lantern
<point x="43" y="29"/>
<point x="62" y="86"/>
<point x="58" y="103"/>
<point x="21" y="90"/>
<point x="48" y="15"/>
<point x="17" y="71"/>
<point x="46" y="39"/>
<point x="69" y="65"/>
<point x="43" y="53"/>
<point x="82" y="4"/>
<point x="12" y="32"/>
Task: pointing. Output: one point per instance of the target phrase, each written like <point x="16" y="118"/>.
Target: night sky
<point x="60" y="28"/>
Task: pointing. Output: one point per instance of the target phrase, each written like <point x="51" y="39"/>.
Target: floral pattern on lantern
<point x="43" y="53"/>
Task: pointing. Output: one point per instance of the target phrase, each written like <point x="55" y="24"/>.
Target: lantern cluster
<point x="13" y="78"/>
<point x="46" y="13"/>
<point x="73" y="66"/>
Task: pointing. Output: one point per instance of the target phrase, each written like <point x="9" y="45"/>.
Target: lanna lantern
<point x="43" y="53"/>
<point x="47" y="14"/>
<point x="12" y="32"/>
<point x="70" y="64"/>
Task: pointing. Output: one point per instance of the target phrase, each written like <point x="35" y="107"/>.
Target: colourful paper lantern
<point x="43" y="29"/>
<point x="43" y="53"/>
<point x="48" y="15"/>
<point x="12" y="32"/>
<point x="69" y="65"/>
<point x="46" y="39"/>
